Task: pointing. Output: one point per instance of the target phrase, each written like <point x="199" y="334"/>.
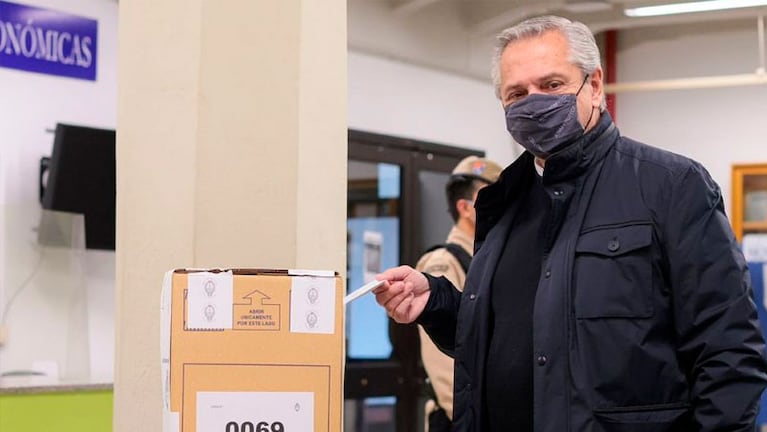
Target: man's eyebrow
<point x="513" y="86"/>
<point x="553" y="75"/>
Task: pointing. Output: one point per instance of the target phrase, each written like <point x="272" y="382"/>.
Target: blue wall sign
<point x="47" y="41"/>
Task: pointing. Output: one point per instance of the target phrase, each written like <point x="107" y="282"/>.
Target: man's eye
<point x="513" y="97"/>
<point x="554" y="85"/>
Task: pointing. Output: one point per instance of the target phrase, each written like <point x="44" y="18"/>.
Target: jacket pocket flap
<point x="648" y="414"/>
<point x="614" y="241"/>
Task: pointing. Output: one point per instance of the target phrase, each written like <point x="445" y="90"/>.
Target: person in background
<point x="607" y="292"/>
<point x="452" y="260"/>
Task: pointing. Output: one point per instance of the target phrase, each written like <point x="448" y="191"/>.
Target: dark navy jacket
<point x="643" y="318"/>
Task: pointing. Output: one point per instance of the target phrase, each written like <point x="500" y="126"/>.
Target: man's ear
<point x="463" y="206"/>
<point x="596" y="82"/>
<point x="459" y="206"/>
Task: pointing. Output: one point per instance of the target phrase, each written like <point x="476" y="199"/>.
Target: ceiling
<point x="457" y="35"/>
<point x="483" y="16"/>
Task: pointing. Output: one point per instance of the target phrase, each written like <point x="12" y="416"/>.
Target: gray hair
<point x="584" y="52"/>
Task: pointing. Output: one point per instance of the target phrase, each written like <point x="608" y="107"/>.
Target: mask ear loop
<point x="591" y="114"/>
<point x="585" y="78"/>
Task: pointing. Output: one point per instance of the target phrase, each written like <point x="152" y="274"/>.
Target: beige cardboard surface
<point x="261" y="372"/>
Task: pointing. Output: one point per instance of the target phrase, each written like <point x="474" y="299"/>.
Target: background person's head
<point x="467" y="178"/>
<point x="580" y="47"/>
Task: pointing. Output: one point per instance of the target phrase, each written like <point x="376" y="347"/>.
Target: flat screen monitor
<point x="81" y="179"/>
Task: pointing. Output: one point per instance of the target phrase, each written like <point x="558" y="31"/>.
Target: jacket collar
<point x="563" y="166"/>
<point x="584" y="153"/>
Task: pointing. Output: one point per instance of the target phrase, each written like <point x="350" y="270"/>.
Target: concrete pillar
<point x="231" y="148"/>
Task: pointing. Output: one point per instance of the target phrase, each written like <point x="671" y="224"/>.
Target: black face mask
<point x="545" y="124"/>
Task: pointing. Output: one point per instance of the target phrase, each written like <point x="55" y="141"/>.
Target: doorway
<point x="396" y="210"/>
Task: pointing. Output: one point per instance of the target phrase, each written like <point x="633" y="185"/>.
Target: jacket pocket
<point x="613" y="273"/>
<point x="656" y="418"/>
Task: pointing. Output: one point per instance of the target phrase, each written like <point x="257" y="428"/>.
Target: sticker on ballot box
<point x="255" y="411"/>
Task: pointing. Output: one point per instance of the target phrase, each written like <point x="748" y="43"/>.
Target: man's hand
<point x="404" y="295"/>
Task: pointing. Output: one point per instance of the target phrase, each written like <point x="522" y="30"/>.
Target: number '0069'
<point x="258" y="427"/>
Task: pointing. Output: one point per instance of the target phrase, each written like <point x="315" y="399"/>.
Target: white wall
<point x="439" y="99"/>
<point x="393" y="98"/>
<point x="64" y="313"/>
<point x="717" y="127"/>
<point x="436" y="36"/>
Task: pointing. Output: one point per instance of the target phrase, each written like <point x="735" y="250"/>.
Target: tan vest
<point x="439" y="367"/>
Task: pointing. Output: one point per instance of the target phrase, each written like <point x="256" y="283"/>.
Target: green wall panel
<point x="89" y="411"/>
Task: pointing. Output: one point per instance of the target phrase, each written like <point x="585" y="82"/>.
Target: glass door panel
<point x="371" y="415"/>
<point x="373" y="232"/>
<point x="395" y="195"/>
<point x="435" y="219"/>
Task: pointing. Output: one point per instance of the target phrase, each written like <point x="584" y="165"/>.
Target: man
<point x="607" y="292"/>
<point x="450" y="261"/>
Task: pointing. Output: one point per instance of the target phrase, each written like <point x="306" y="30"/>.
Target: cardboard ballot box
<point x="249" y="350"/>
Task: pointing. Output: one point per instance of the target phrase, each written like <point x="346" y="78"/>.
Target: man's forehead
<point x="549" y="46"/>
<point x="551" y="40"/>
<point x="537" y="58"/>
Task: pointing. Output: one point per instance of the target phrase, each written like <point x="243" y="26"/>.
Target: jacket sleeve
<point x="719" y="341"/>
<point x="440" y="316"/>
